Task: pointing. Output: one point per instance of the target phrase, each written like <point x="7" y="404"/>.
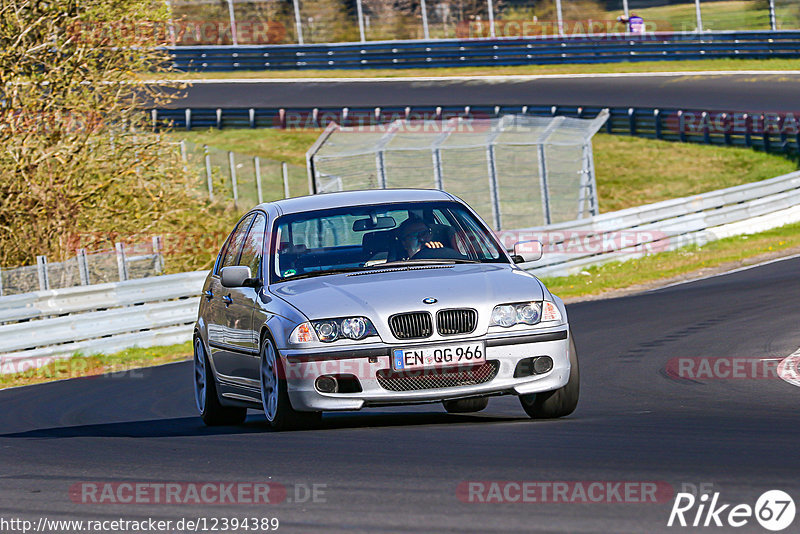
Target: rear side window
<point x="230" y="254"/>
<point x="254" y="245"/>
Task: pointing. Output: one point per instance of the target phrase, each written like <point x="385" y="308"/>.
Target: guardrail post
<point x="257" y="167"/>
<point x="560" y="18"/>
<point x="188" y="118"/>
<point x="380" y="166"/>
<point x="748" y="126"/>
<point x="543" y="184"/>
<point x="657" y="122"/>
<point x="493" y="192"/>
<point x="285" y="174"/>
<point x="158" y="263"/>
<point x="1" y="281"/>
<point x="41" y="269"/>
<point x="83" y="266"/>
<point x="232" y="15"/>
<point x="424" y="9"/>
<point x="438" y="181"/>
<point x="154" y="116"/>
<point x="297" y="23"/>
<point x="765" y="133"/>
<point x="698" y="15"/>
<point x="252" y="115"/>
<point x="681" y="126"/>
<point x="632" y="121"/>
<point x="772" y="23"/>
<point x="491" y="19"/>
<point x="360" y="15"/>
<point x="726" y="128"/>
<point x="234" y="185"/>
<point x="122" y="263"/>
<point x="209" y="179"/>
<point x="219" y="118"/>
<point x="706" y="128"/>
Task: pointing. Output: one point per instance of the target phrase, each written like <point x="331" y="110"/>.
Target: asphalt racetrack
<point x="749" y="92"/>
<point x="398" y="470"/>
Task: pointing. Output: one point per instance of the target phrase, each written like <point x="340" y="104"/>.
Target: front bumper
<point x="364" y="362"/>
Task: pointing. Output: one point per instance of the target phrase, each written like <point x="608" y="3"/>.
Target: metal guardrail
<point x="768" y="132"/>
<point x="586" y="48"/>
<point x="665" y="226"/>
<point x="36" y="327"/>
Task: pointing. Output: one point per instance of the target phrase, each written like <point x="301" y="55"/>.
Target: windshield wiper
<point x="312" y="274"/>
<point x="425" y="261"/>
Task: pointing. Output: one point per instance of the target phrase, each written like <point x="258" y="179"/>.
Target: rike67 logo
<point x="774" y="510"/>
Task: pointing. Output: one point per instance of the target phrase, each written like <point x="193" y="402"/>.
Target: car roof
<point x="356" y="198"/>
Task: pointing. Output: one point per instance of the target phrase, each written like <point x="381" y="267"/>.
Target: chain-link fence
<point x="515" y="171"/>
<point x="244" y="180"/>
<point x="226" y="22"/>
<point x="124" y="262"/>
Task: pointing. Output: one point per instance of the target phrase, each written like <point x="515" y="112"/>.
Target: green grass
<point x="724" y="252"/>
<point x="521" y="70"/>
<point x="728" y="15"/>
<point x="630" y="171"/>
<point x="98" y="364"/>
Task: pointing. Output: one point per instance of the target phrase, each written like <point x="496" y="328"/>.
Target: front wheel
<point x="205" y="393"/>
<point x="560" y="402"/>
<point x="275" y="396"/>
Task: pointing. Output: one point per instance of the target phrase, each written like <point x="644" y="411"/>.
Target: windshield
<point x="370" y="237"/>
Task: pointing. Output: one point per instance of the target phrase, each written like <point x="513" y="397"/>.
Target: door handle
<point x="227" y="300"/>
<point x="209" y="294"/>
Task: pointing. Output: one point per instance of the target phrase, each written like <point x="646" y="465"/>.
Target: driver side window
<point x="230" y="254"/>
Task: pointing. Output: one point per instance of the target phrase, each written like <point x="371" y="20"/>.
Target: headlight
<point x="507" y="315"/>
<point x="330" y="330"/>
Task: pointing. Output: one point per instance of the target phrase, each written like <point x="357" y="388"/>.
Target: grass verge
<point x="98" y="364"/>
<point x="520" y="70"/>
<point x="727" y="254"/>
<point x="630" y="171"/>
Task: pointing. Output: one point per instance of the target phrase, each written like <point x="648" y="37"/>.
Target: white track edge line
<point x="500" y="77"/>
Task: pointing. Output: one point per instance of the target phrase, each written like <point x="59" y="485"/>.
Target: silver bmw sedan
<point x="350" y="300"/>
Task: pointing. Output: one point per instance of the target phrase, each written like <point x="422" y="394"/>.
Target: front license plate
<point x="438" y="356"/>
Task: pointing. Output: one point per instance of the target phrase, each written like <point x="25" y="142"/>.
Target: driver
<point x="414" y="235"/>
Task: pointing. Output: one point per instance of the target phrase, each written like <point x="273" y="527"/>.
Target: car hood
<point x="383" y="293"/>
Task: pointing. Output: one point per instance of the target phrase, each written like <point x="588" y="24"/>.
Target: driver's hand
<point x="434" y="244"/>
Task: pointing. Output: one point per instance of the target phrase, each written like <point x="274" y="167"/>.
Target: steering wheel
<point x="443" y="253"/>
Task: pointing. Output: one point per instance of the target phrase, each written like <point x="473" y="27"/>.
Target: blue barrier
<point x="486" y="52"/>
<point x="779" y="133"/>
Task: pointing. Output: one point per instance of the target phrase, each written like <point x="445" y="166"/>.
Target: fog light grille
<point x="437" y="378"/>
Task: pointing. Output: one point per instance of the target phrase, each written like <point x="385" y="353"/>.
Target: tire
<point x="466" y="405"/>
<point x="205" y="393"/>
<point x="275" y="395"/>
<point x="559" y="402"/>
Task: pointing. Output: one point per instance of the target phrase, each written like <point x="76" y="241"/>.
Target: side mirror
<point x="526" y="251"/>
<point x="237" y="276"/>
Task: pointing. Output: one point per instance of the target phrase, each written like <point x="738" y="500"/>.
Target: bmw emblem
<point x="429" y="300"/>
